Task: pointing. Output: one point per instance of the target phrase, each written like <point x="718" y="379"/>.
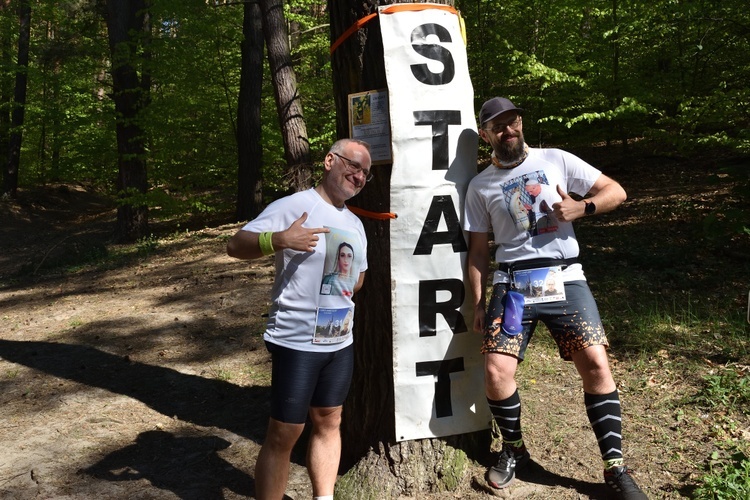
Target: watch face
<point x="590" y="208"/>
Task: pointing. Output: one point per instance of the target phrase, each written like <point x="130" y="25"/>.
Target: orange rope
<point x="372" y="215"/>
<point x="353" y="28"/>
<point x="359" y="23"/>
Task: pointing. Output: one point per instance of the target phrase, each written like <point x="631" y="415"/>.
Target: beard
<point x="509" y="152"/>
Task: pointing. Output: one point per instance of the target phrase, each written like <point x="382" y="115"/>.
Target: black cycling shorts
<point x="302" y="379"/>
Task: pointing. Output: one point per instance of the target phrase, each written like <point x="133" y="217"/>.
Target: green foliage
<point x="728" y="476"/>
<point x="675" y="73"/>
<point x="731" y="219"/>
<point x="672" y="71"/>
<point x="630" y="108"/>
<point x="147" y="245"/>
<point x="728" y="389"/>
<point x="191" y="117"/>
<point x="67" y="135"/>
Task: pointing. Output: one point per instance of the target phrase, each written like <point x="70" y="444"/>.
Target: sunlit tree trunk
<point x="128" y="25"/>
<point x="289" y="107"/>
<point x="250" y="150"/>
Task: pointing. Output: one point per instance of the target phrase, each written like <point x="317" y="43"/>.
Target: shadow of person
<point x="535" y="473"/>
<point x="199" y="400"/>
<point x="188" y="466"/>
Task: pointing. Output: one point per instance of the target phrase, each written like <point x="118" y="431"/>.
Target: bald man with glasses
<point x="310" y="321"/>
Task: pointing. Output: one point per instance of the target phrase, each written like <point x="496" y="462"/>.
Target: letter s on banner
<point x="421" y="45"/>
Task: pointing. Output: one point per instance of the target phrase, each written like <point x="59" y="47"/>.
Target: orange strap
<point x="352" y="29"/>
<point x="359" y="23"/>
<point x="372" y="215"/>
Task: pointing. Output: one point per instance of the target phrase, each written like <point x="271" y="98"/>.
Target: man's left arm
<point x="606" y="195"/>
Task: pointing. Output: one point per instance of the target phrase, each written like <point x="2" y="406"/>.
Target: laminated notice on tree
<point x="438" y="369"/>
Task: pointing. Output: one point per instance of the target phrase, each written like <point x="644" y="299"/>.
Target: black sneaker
<point x="502" y="474"/>
<point x="619" y="479"/>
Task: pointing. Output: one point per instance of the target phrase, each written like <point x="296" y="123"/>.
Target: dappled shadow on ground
<point x="166" y="460"/>
<point x="535" y="473"/>
<point x="194" y="399"/>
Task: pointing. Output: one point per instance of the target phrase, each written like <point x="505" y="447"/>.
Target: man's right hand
<point x="297" y="237"/>
<point x="479" y="315"/>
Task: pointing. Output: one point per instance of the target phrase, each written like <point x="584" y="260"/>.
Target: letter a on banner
<point x="438" y="369"/>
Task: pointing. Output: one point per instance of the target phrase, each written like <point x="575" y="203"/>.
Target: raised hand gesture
<point x="567" y="209"/>
<point x="297" y="237"/>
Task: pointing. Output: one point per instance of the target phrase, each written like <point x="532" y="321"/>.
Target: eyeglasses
<point x="500" y="127"/>
<point x="354" y="167"/>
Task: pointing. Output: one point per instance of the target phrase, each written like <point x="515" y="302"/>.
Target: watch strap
<point x="590" y="208"/>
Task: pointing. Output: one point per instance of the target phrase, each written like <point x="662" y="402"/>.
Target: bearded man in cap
<point x="523" y="254"/>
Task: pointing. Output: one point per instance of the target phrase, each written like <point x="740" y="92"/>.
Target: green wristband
<point x="264" y="241"/>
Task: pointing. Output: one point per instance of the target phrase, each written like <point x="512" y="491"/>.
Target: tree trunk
<point x="375" y="465"/>
<point x="129" y="28"/>
<point x="370" y="406"/>
<point x="289" y="107"/>
<point x="6" y="93"/>
<point x="10" y="173"/>
<point x="250" y="151"/>
<point x="616" y="126"/>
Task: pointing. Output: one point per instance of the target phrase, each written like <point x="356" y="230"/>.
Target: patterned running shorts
<point x="574" y="323"/>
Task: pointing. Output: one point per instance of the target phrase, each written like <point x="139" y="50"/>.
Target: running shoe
<point x="503" y="473"/>
<point x="620" y="480"/>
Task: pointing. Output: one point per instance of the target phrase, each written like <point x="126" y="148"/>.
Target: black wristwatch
<point x="590" y="208"/>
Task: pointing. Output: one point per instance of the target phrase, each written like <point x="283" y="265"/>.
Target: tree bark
<point x="128" y="26"/>
<point x="370" y="406"/>
<point x="289" y="107"/>
<point x="375" y="465"/>
<point x="6" y="93"/>
<point x="249" y="130"/>
<point x="10" y="173"/>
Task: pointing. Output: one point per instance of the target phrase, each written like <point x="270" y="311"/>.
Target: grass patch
<point x="683" y="325"/>
<point x="728" y="476"/>
<point x="727" y="390"/>
<point x="221" y="374"/>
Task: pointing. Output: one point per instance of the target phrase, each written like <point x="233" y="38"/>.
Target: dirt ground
<point x="147" y="378"/>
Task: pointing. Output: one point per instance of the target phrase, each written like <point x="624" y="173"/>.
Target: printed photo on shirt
<point x="333" y="325"/>
<point x="530" y="198"/>
<point x="341" y="270"/>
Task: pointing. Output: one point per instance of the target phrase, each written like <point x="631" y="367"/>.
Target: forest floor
<point x="139" y="371"/>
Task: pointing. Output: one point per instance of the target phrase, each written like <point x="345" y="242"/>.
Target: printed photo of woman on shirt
<point x="341" y="275"/>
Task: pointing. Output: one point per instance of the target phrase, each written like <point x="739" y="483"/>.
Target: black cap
<point x="495" y="107"/>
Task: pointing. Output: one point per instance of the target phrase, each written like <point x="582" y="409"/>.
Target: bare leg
<point x="324" y="450"/>
<point x="499" y="375"/>
<point x="272" y="466"/>
<point x="593" y="366"/>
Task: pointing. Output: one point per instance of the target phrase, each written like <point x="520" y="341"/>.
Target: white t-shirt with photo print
<point x="299" y="280"/>
<point x="492" y="205"/>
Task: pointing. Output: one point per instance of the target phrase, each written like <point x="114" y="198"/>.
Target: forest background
<point x="183" y="113"/>
<point x="671" y="75"/>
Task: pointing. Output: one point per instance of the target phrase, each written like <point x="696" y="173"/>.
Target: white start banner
<point x="438" y="369"/>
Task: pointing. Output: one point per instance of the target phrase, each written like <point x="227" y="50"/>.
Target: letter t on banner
<point x="438" y="369"/>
